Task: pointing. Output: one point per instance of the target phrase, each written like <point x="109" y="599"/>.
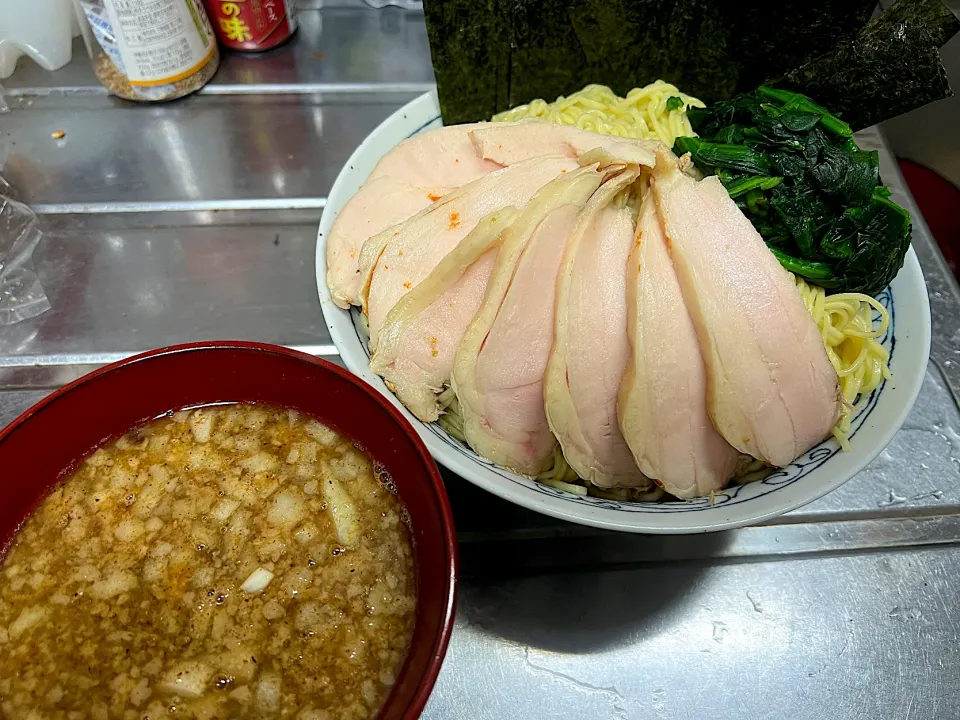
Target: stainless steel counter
<point x="197" y="219"/>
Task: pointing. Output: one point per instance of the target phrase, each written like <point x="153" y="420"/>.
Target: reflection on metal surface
<point x="105" y="208"/>
<point x="851" y="636"/>
<point x="94" y="359"/>
<point x="234" y="144"/>
<point x="172" y="148"/>
<point x="127" y="289"/>
<point x="485" y="556"/>
<point x="320" y="88"/>
<point x="259" y="89"/>
<point x="843" y="609"/>
<point x="941" y="285"/>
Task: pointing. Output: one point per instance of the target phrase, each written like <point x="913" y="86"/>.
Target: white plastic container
<point x="42" y="29"/>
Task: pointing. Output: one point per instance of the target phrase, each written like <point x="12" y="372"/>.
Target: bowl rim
<point x="423" y="112"/>
<point x="451" y="572"/>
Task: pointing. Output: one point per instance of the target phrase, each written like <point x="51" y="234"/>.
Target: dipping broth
<point x="232" y="562"/>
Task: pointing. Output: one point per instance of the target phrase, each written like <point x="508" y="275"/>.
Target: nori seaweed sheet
<point x="891" y="67"/>
<point x="470" y="57"/>
<point x="601" y="41"/>
<point x="491" y="55"/>
<point x="782" y="34"/>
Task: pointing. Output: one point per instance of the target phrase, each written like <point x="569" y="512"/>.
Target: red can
<point x="252" y="25"/>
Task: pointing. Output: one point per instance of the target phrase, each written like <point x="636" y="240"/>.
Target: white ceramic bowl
<point x="814" y="474"/>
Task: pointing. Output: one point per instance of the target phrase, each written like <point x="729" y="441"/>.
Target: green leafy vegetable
<point x="674" y="103"/>
<point x="793" y="168"/>
<point x="738" y="187"/>
<point x="801" y="108"/>
<point x="730" y="157"/>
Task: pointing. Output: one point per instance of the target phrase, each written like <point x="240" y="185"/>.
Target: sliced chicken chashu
<point x="420" y="335"/>
<point x="511" y="142"/>
<point x="590" y="349"/>
<point x="395" y="261"/>
<point x="444" y="157"/>
<point x="422" y="169"/>
<point x="417" y="172"/>
<point x="381" y="203"/>
<point x="771" y="391"/>
<point x="663" y="396"/>
<point x="499" y="367"/>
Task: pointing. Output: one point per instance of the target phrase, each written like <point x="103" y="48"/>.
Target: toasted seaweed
<point x="891" y="67"/>
<point x="491" y="55"/>
<point x="776" y="37"/>
<point x="471" y="57"/>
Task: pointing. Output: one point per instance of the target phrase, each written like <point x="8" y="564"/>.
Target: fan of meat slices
<point x="586" y="293"/>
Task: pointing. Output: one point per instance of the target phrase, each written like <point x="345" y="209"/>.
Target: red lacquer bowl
<point x="51" y="437"/>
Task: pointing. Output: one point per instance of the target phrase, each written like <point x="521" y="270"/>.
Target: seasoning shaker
<point x="149" y="50"/>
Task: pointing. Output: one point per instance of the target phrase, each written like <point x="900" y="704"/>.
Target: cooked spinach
<point x="794" y="169"/>
<point x="674" y="103"/>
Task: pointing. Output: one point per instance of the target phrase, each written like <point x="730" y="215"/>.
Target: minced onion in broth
<point x="232" y="562"/>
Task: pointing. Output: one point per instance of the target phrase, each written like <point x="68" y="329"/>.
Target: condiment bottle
<point x="149" y="50"/>
<point x="253" y="25"/>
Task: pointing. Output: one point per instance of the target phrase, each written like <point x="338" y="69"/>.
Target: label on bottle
<point x="153" y="42"/>
<point x="253" y="24"/>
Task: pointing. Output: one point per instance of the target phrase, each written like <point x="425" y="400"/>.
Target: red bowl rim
<point x="428" y="680"/>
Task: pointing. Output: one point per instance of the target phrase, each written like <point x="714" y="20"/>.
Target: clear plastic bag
<point x="21" y="295"/>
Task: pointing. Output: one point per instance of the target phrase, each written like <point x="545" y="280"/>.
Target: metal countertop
<point x="197" y="220"/>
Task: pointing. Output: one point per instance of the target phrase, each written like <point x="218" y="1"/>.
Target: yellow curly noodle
<point x="641" y="114"/>
<point x="450" y="418"/>
<point x="850" y="337"/>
